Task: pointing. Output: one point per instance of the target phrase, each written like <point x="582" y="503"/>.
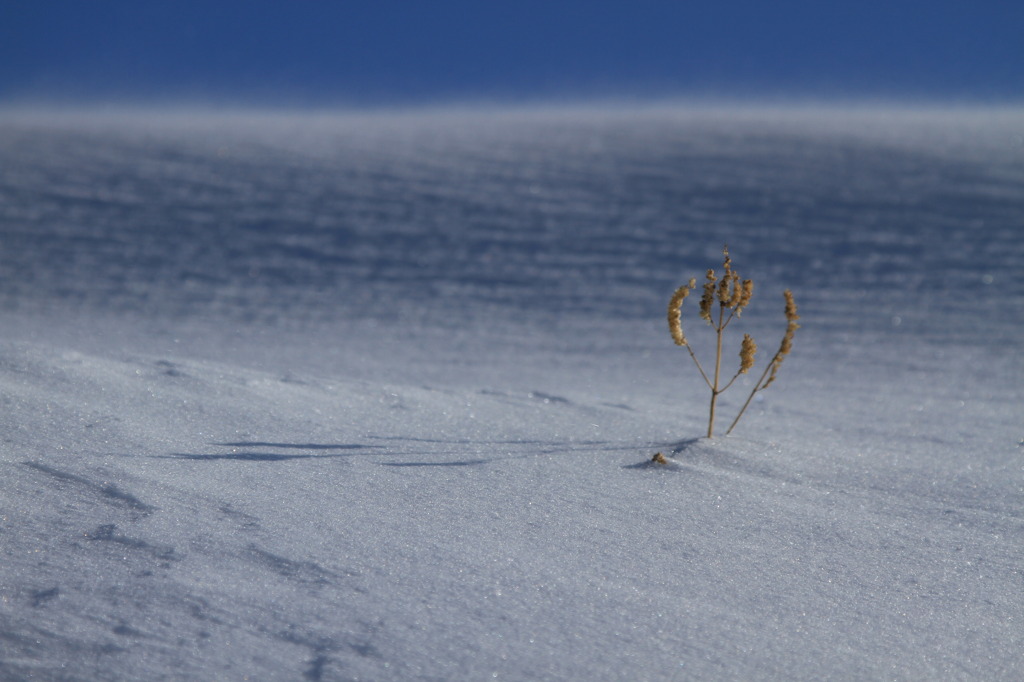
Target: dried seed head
<point x="790" y="306"/>
<point x="747" y="351"/>
<point x="675" y="326"/>
<point x="723" y="289"/>
<point x="737" y="291"/>
<point x="730" y="291"/>
<point x="787" y="340"/>
<point x="786" y="345"/>
<point x="708" y="297"/>
<point x="748" y="291"/>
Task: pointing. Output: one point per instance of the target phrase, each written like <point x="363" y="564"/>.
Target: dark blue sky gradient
<point x="392" y="51"/>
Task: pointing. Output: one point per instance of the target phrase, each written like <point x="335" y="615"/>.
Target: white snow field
<point x="354" y="396"/>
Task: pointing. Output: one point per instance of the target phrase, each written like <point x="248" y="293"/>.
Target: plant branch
<point x="715" y="390"/>
<point x="757" y="387"/>
<point x="699" y="368"/>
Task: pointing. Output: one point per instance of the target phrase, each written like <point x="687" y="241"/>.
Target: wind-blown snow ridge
<point x="287" y="218"/>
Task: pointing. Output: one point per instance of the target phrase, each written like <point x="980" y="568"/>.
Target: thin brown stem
<point x="715" y="390"/>
<point x="731" y="382"/>
<point x="732" y="314"/>
<point x="757" y="387"/>
<point x="699" y="368"/>
<point x="711" y="416"/>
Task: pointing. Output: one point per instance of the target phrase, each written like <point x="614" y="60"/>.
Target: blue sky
<point x="394" y="51"/>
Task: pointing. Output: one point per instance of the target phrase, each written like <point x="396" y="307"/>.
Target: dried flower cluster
<point x="787" y="340"/>
<point x="674" y="312"/>
<point x="732" y="295"/>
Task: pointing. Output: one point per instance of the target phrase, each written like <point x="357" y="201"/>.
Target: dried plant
<point x="732" y="295"/>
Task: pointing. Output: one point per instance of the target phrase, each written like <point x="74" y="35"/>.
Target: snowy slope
<point x="340" y="397"/>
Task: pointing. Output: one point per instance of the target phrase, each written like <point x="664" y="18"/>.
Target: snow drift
<point x="374" y="397"/>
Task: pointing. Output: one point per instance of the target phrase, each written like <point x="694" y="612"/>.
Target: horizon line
<point x="172" y="107"/>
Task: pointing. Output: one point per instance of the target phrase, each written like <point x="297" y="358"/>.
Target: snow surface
<point x="373" y="397"/>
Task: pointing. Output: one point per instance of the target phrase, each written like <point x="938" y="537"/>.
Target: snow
<point x="340" y="396"/>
